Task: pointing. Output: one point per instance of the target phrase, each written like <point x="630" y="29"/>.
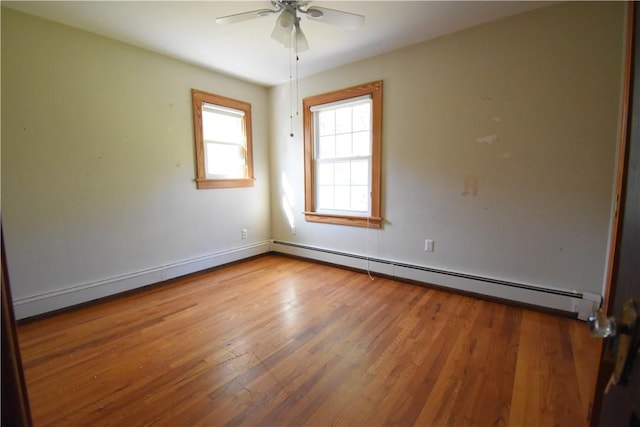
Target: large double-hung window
<point x="342" y="156"/>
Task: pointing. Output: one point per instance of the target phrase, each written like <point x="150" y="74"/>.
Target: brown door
<point x="15" y="403"/>
<point x="619" y="405"/>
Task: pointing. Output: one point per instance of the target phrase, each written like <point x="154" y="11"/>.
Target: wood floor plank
<point x="277" y="341"/>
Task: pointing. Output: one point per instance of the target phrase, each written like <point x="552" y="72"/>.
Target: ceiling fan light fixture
<point x="284" y="25"/>
<point x="301" y="43"/>
<point x="286" y="19"/>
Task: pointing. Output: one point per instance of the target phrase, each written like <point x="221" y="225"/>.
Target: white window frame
<point x="332" y="106"/>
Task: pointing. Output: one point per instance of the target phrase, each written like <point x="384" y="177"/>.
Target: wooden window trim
<point x="202" y="182"/>
<point x="374" y="220"/>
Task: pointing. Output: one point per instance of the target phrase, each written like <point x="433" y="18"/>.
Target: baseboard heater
<point x="576" y="303"/>
<point x="52" y="300"/>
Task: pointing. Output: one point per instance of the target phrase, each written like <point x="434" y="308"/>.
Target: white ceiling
<point x="187" y="30"/>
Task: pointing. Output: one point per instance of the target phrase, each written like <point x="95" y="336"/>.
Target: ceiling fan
<point x="287" y="29"/>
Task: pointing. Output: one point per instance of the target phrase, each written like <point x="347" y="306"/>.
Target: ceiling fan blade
<point x="348" y="20"/>
<point x="244" y="16"/>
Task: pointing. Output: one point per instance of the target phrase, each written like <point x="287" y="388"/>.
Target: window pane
<point x="221" y="127"/>
<point x="362" y="143"/>
<point x="325" y="197"/>
<point x="327" y="147"/>
<point x="360" y="172"/>
<point x="343" y="120"/>
<point x="327" y="122"/>
<point x="224" y="159"/>
<point x="342" y="197"/>
<point x="343" y="145"/>
<point x="342" y="173"/>
<point x="360" y="198"/>
<point x="325" y="174"/>
<point x="362" y="117"/>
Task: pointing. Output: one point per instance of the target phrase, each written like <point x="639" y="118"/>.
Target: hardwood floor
<point x="277" y="341"/>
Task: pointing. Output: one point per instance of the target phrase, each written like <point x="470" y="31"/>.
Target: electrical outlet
<point x="245" y="233"/>
<point x="428" y="245"/>
<point x="293" y="229"/>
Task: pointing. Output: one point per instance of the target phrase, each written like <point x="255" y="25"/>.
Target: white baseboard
<point x="55" y="300"/>
<point x="569" y="301"/>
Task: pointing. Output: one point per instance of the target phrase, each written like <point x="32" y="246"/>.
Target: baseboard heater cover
<point x="578" y="303"/>
<point x="46" y="302"/>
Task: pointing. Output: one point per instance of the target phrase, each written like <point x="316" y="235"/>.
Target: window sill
<point x="203" y="184"/>
<point x="356" y="221"/>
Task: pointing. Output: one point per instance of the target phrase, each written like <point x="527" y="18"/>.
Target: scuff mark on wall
<point x="470" y="185"/>
<point x="489" y="139"/>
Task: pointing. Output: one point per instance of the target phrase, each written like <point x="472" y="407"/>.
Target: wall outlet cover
<point x="428" y="245"/>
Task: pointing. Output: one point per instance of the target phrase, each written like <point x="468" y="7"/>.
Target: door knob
<point x="622" y="349"/>
<point x="601" y="326"/>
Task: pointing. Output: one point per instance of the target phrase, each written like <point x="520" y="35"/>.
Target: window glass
<point x="341" y="162"/>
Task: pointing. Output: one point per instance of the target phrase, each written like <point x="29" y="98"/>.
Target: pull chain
<point x="293" y="50"/>
<point x="297" y="86"/>
<point x="291" y="91"/>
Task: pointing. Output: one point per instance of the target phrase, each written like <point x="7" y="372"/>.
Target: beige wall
<point x="526" y="108"/>
<point x="98" y="161"/>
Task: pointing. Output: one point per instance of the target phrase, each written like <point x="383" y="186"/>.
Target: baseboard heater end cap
<point x="589" y="303"/>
